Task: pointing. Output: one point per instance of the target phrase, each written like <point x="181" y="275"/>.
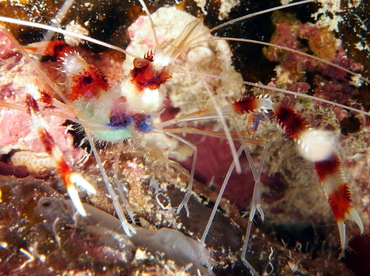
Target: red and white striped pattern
<point x="318" y="147"/>
<point x="69" y="177"/>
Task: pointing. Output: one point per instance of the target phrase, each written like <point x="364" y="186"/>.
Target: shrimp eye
<point x="140" y="63"/>
<point x="87" y="80"/>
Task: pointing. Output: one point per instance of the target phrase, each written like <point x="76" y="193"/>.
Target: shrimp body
<point x="129" y="106"/>
<point x="107" y="114"/>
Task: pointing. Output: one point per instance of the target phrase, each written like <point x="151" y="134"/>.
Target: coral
<point x="292" y="197"/>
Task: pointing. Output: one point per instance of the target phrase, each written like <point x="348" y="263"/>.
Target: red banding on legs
<point x="291" y="122"/>
<point x="327" y="167"/>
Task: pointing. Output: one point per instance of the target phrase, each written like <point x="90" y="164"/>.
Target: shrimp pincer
<point x="318" y="147"/>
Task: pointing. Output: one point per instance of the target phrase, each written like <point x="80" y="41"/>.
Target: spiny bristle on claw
<point x="86" y="81"/>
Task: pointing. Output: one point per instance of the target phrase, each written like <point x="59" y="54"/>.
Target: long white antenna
<point x="58" y="18"/>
